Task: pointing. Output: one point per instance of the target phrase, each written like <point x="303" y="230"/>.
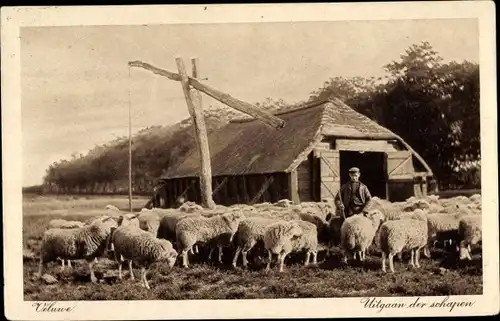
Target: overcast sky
<point x="76" y="83"/>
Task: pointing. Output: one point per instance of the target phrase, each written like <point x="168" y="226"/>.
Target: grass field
<point x="440" y="275"/>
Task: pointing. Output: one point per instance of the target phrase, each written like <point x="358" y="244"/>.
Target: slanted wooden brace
<point x="191" y="87"/>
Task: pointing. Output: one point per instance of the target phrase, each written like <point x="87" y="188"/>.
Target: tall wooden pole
<point x="193" y="100"/>
<point x="129" y="150"/>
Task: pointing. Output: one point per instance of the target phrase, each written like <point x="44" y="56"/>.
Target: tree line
<point x="432" y="105"/>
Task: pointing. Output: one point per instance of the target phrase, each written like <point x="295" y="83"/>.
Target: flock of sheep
<point x="161" y="235"/>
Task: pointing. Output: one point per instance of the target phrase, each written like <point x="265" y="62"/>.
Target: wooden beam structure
<point x="201" y="136"/>
<point x="249" y="109"/>
<point x="220" y="186"/>
<point x="262" y="190"/>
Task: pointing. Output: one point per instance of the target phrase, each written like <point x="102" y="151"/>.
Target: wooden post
<point x="201" y="137"/>
<point x="294" y="187"/>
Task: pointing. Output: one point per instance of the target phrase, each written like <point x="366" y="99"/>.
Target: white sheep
<point x="168" y="224"/>
<point x="278" y="239"/>
<point x="402" y="235"/>
<point x="321" y="224"/>
<point x="149" y="221"/>
<point x="190" y="207"/>
<point x="60" y="223"/>
<point x="112" y="207"/>
<point x="136" y="245"/>
<point x="189" y="231"/>
<point x="443" y="226"/>
<point x="470" y="233"/>
<point x="250" y="231"/>
<point x="358" y="231"/>
<point x="64" y="224"/>
<point x="307" y="241"/>
<point x="87" y="242"/>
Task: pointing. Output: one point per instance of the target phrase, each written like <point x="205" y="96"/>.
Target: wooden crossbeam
<point x="262" y="190"/>
<point x="244" y="107"/>
<point x="219" y="186"/>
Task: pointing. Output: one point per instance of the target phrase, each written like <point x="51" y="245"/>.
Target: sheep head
<point x="169" y="254"/>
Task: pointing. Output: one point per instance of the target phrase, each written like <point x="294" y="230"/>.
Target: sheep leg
<point x="210" y="254"/>
<point x="246" y="248"/>
<point x="270" y="258"/>
<point x="119" y="270"/>
<point x="69" y="264"/>
<point x="236" y="254"/>
<point x="132" y="277"/>
<point x="143" y="278"/>
<point x="412" y="258"/>
<point x="400" y="256"/>
<point x="196" y="249"/>
<point x="391" y="262"/>
<point x="384" y="256"/>
<point x="95" y="260"/>
<point x="185" y="258"/>
<point x="308" y="256"/>
<point x="469" y="253"/>
<point x="93" y="279"/>
<point x="282" y="260"/>
<point x="315" y="257"/>
<point x="220" y="254"/>
<point x="360" y="256"/>
<point x="417" y="256"/>
<point x="62" y="265"/>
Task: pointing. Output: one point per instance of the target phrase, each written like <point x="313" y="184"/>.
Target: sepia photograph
<point x="244" y="154"/>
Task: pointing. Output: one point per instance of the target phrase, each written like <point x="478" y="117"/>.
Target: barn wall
<point x="400" y="190"/>
<point x="239" y="189"/>
<point x="304" y="176"/>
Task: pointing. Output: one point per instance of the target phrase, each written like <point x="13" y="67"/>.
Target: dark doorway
<point x="372" y="167"/>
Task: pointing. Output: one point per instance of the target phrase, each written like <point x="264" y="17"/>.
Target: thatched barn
<point x="308" y="160"/>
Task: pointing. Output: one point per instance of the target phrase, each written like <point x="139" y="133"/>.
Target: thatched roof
<point x="248" y="146"/>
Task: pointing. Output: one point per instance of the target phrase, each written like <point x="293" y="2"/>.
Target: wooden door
<point x="329" y="172"/>
<point x="400" y="165"/>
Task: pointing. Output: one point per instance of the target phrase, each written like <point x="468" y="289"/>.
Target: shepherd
<point x="353" y="196"/>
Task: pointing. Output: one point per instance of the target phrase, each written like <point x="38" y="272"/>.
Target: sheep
<point x="190" y="207"/>
<point x="168" y="223"/>
<point x="334" y="226"/>
<point x="60" y="223"/>
<point x="191" y="230"/>
<point x="307" y="241"/>
<point x="134" y="244"/>
<point x="442" y="226"/>
<point x="358" y="231"/>
<point x="470" y="230"/>
<point x="64" y="224"/>
<point x="398" y="235"/>
<point x="87" y="242"/>
<point x="416" y="204"/>
<point x="149" y="221"/>
<point x="250" y="231"/>
<point x="278" y="239"/>
<point x="322" y="226"/>
<point x="112" y="207"/>
<point x="476" y="198"/>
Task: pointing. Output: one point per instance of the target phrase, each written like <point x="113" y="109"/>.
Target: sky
<point x="77" y="86"/>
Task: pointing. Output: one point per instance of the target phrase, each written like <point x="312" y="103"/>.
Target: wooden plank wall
<point x="239" y="189"/>
<point x="304" y="180"/>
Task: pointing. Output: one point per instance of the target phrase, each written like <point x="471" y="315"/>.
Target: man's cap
<point x="354" y="170"/>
